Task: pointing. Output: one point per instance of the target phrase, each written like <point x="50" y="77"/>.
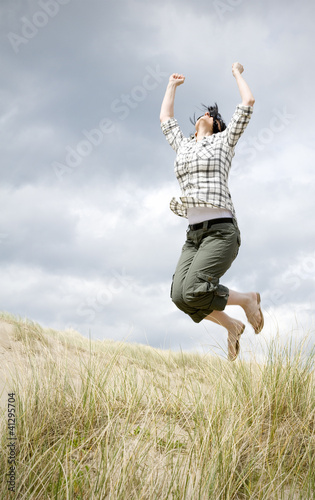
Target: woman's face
<point x="206" y="121"/>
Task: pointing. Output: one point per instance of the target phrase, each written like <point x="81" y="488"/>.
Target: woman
<point x="202" y="166"/>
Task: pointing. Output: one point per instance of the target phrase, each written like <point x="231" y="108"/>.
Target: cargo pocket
<point x="205" y="284"/>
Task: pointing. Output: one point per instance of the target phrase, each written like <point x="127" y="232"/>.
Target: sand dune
<point x="7" y="359"/>
<point x="105" y="419"/>
<point x="20" y="338"/>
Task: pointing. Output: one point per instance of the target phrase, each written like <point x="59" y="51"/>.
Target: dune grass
<point x="112" y="420"/>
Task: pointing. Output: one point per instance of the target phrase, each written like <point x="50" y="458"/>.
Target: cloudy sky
<point x="87" y="239"/>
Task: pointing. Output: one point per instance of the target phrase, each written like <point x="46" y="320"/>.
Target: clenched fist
<point x="237" y="68"/>
<point x="177" y="79"/>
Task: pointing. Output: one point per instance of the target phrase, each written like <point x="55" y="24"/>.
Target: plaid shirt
<point x="202" y="167"/>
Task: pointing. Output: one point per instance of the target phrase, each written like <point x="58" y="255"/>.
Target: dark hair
<point x="214" y="112"/>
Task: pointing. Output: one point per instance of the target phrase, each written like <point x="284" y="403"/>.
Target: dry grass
<point x="110" y="420"/>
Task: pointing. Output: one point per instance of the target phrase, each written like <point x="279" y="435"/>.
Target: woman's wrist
<point x="172" y="85"/>
<point x="237" y="75"/>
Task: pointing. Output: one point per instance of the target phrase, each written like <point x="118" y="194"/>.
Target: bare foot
<point x="234" y="334"/>
<point x="253" y="312"/>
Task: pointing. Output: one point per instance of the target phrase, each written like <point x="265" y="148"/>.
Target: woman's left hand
<point x="237" y="68"/>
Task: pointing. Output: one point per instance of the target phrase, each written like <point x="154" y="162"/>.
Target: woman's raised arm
<point x="167" y="108"/>
<point x="246" y="94"/>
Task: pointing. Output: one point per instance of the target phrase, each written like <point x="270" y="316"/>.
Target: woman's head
<point x="217" y="121"/>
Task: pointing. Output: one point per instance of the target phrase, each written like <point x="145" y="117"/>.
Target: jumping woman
<point x="202" y="166"/>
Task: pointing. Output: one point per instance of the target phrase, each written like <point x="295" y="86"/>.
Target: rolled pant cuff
<point x="220" y="298"/>
<point x="218" y="303"/>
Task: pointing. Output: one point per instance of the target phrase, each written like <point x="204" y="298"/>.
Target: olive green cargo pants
<point x="206" y="255"/>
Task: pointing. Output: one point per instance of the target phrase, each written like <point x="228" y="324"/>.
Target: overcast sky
<point x="87" y="238"/>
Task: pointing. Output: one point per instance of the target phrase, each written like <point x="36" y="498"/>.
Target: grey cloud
<point x="64" y="238"/>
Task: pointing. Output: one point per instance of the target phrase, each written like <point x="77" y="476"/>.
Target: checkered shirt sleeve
<point x="238" y="124"/>
<point x="202" y="167"/>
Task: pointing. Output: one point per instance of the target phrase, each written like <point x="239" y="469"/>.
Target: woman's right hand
<point x="237" y="68"/>
<point x="167" y="108"/>
<point x="177" y="79"/>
